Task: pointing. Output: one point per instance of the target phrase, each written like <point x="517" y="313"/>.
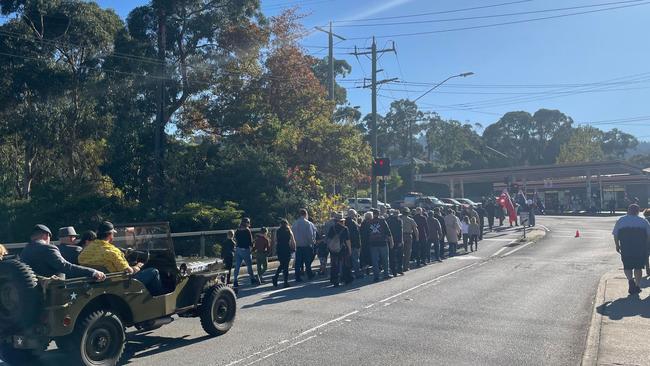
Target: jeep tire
<point x="19" y="298"/>
<point x="98" y="340"/>
<point x="218" y="310"/>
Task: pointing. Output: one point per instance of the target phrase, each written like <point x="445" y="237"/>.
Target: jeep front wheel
<point x="100" y="339"/>
<point x="218" y="309"/>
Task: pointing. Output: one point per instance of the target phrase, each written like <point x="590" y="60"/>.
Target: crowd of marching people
<point x="378" y="244"/>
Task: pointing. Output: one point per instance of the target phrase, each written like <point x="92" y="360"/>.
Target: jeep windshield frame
<point x="144" y="237"/>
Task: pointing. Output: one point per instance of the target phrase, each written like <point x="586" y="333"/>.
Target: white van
<point x="364" y="204"/>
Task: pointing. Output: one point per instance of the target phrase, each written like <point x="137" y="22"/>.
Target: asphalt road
<point x="506" y="304"/>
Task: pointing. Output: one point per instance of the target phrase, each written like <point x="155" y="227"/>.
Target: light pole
<point x="411" y="163"/>
<point x="463" y="75"/>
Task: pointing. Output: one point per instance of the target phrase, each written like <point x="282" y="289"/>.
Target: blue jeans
<point x="244" y="255"/>
<point x="379" y="256"/>
<point x="304" y="256"/>
<point x="452" y="249"/>
<point x="150" y="278"/>
<point x="356" y="264"/>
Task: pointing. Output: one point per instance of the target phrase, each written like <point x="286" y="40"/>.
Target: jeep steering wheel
<point x="135" y="256"/>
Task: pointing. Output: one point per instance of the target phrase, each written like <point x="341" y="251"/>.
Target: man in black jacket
<point x="395" y="254"/>
<point x="355" y="239"/>
<point x="69" y="250"/>
<point x="46" y="260"/>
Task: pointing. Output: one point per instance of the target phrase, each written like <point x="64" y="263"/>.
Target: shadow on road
<point x="144" y="345"/>
<point x="627" y="306"/>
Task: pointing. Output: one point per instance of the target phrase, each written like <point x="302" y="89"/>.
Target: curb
<point x="592" y="343"/>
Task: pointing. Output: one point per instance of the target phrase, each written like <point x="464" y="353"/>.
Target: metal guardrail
<point x="202" y="237"/>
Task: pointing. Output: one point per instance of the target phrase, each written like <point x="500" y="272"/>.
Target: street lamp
<point x="411" y="163"/>
<point x="463" y="75"/>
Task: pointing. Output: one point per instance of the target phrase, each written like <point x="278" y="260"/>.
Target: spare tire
<point x="19" y="298"/>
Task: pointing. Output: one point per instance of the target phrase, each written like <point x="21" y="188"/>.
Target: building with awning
<point x="560" y="186"/>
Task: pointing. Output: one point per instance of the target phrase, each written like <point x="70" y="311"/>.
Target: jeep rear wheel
<point x="218" y="310"/>
<point x="99" y="339"/>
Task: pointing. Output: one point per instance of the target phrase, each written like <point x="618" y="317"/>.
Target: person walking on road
<point x="321" y="243"/>
<point x="285" y="245"/>
<point x="365" y="259"/>
<point x="481" y="220"/>
<point x="355" y="242"/>
<point x="435" y="236"/>
<point x="422" y="245"/>
<point x="631" y="234"/>
<point x="410" y="236"/>
<point x="228" y="253"/>
<point x="437" y="213"/>
<point x="474" y="234"/>
<point x="379" y="241"/>
<point x="464" y="228"/>
<point x="490" y="211"/>
<point x="262" y="251"/>
<point x="338" y="244"/>
<point x="396" y="254"/>
<point x="244" y="239"/>
<point x="304" y="232"/>
<point x="452" y="223"/>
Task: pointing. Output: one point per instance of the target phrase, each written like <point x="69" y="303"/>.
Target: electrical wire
<point x="490" y="16"/>
<point x="492" y="25"/>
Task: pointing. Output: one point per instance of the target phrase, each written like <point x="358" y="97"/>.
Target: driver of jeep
<point x="101" y="253"/>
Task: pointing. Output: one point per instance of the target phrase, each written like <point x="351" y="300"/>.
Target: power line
<point x="435" y="12"/>
<point x="489" y="16"/>
<point x="505" y="23"/>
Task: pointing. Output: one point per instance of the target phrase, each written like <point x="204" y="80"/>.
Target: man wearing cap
<point x="101" y="253"/>
<point x="67" y="238"/>
<point x="395" y="254"/>
<point x="411" y="234"/>
<point x="46" y="260"/>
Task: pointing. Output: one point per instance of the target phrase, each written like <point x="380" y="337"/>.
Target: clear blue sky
<point x="524" y="66"/>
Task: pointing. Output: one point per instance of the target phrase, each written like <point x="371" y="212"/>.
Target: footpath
<point x="618" y="334"/>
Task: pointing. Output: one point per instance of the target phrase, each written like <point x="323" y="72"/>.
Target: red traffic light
<point x="381" y="167"/>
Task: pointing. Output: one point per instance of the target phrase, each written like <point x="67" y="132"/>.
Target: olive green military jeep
<point x="88" y="319"/>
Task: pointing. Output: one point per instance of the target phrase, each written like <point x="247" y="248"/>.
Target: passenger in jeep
<point x="101" y="253"/>
<point x="46" y="260"/>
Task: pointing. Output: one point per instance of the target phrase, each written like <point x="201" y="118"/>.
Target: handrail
<point x="173" y="235"/>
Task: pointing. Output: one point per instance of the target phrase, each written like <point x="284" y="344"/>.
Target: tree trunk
<point x="159" y="128"/>
<point x="28" y="174"/>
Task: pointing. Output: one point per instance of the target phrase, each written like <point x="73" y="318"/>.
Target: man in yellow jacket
<point x="101" y="253"/>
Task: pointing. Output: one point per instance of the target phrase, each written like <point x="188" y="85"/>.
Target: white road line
<point x="499" y="251"/>
<point x="282" y="350"/>
<point x="427" y="282"/>
<point x="545" y="228"/>
<point x="573" y="236"/>
<point x="329" y="322"/>
<point x="517" y="249"/>
<point x="496" y="239"/>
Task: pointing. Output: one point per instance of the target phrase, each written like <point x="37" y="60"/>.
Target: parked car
<point x="468" y="201"/>
<point x="455" y="204"/>
<point x="431" y="202"/>
<point x="364" y="204"/>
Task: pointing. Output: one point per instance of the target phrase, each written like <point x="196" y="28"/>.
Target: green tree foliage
<point x="585" y="144"/>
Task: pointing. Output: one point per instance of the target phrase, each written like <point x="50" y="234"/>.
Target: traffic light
<point x="381" y="167"/>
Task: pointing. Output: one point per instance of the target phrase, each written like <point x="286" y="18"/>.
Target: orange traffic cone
<point x="577" y="233"/>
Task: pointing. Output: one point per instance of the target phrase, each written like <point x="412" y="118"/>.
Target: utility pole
<point x="330" y="74"/>
<point x="373" y="128"/>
